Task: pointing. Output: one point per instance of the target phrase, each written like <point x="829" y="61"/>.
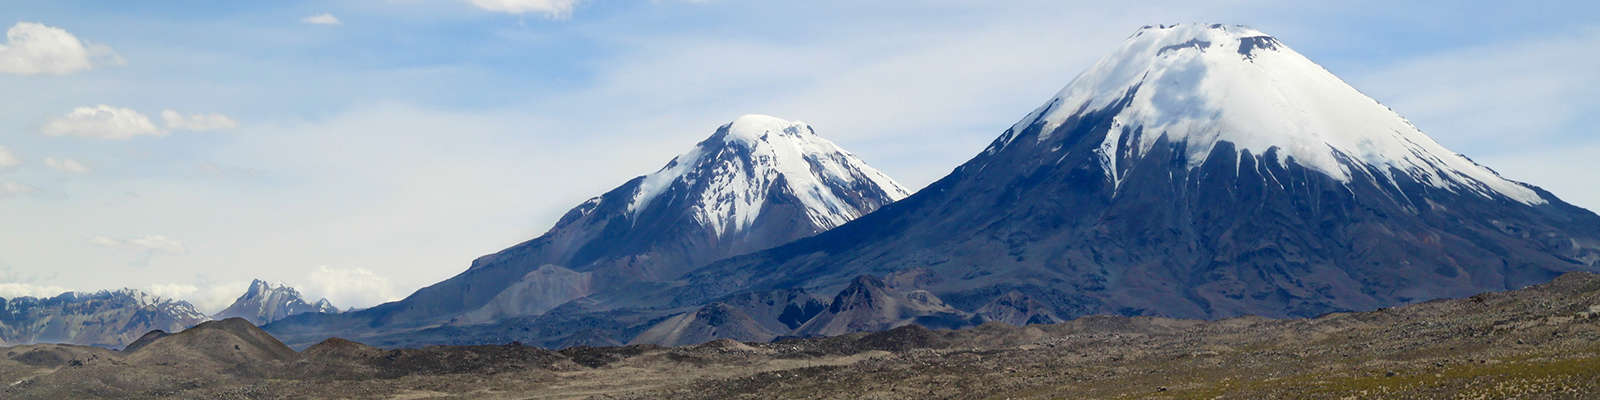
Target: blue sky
<point x="364" y="159"/>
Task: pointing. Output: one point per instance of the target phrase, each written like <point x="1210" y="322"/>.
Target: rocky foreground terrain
<point x="1539" y="342"/>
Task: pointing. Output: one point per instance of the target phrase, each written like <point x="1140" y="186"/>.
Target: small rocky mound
<point x="57" y="355"/>
<point x="1018" y="309"/>
<point x="145" y="340"/>
<point x="868" y="304"/>
<point x="713" y="321"/>
<point x="339" y="348"/>
<point x="596" y="357"/>
<point x="233" y="343"/>
<point x="901" y="339"/>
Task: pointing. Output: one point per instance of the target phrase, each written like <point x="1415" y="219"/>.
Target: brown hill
<point x="233" y="344"/>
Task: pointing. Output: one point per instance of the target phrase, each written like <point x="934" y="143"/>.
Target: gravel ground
<point x="1540" y="342"/>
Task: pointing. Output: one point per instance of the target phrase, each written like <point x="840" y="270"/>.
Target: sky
<point x="361" y="149"/>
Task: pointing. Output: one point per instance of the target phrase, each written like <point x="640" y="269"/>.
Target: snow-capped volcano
<point x="1198" y="171"/>
<point x="755" y="183"/>
<point x="1207" y="84"/>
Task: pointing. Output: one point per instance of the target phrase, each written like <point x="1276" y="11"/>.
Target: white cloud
<point x="1539" y="86"/>
<point x="9" y="188"/>
<point x="67" y="165"/>
<point x="8" y="160"/>
<point x="349" y="287"/>
<point x="1567" y="170"/>
<point x="103" y="241"/>
<point x="36" y="49"/>
<point x="117" y="123"/>
<point x="13" y="290"/>
<point x="103" y="122"/>
<point x="322" y="19"/>
<point x="158" y="243"/>
<point x="550" y="8"/>
<point x="151" y="243"/>
<point x="171" y="290"/>
<point x="209" y="299"/>
<point x="1520" y="106"/>
<point x="197" y="122"/>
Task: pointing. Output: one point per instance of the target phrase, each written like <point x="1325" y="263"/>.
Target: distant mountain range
<point x="114" y="319"/>
<point x="110" y="319"/>
<point x="1198" y="171"/>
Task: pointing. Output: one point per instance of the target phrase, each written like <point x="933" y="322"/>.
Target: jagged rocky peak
<point x="1203" y="86"/>
<point x="265" y="302"/>
<point x="733" y="174"/>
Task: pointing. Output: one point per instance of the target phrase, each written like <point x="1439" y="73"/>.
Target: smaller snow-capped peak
<point x="265" y="302"/>
<point x="735" y="169"/>
<point x="1206" y="84"/>
<point x="325" y="306"/>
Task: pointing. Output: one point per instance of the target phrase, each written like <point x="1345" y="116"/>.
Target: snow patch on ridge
<point x="1206" y="84"/>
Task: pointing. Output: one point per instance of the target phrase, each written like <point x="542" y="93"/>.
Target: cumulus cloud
<point x="13" y="290"/>
<point x="171" y="290"/>
<point x="103" y="241"/>
<point x="1541" y="86"/>
<point x="1566" y="170"/>
<point x="322" y="19"/>
<point x="349" y="287"/>
<point x="151" y="243"/>
<point x="103" y="122"/>
<point x="9" y="188"/>
<point x="118" y="123"/>
<point x="37" y="49"/>
<point x="8" y="160"/>
<point x="197" y="122"/>
<point x="550" y="8"/>
<point x="67" y="165"/>
<point x="208" y="299"/>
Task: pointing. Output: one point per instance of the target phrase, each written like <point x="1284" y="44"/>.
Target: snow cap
<point x="1203" y="84"/>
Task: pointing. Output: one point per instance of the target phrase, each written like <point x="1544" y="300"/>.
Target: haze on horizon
<point x="359" y="150"/>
